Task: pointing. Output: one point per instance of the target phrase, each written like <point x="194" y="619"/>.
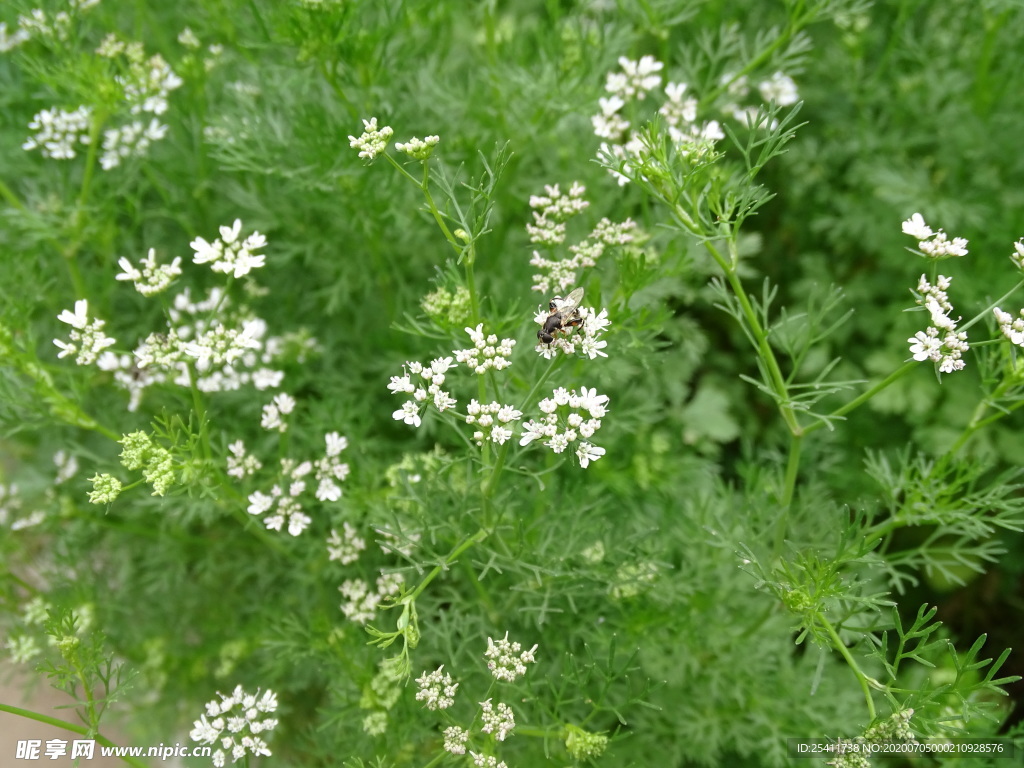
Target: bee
<point x="565" y="314"/>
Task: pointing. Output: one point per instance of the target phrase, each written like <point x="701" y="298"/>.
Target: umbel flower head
<point x="940" y="342"/>
<point x="373" y="141"/>
<point x="425" y="390"/>
<point x="230" y="255"/>
<point x="436" y="689"/>
<point x="234" y="723"/>
<point x="507" y="660"/>
<point x="566" y="421"/>
<point x="57" y="131"/>
<point x="152" y="278"/>
<point x="486" y="352"/>
<point x="933" y="245"/>
<point x="87" y="336"/>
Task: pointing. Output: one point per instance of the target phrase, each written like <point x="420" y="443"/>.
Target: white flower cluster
<point x="130" y="140"/>
<point x="273" y="412"/>
<point x="497" y="720"/>
<point x="1011" y="327"/>
<point x="548" y="229"/>
<point x="57" y="131"/>
<point x="780" y="89"/>
<point x="284" y="505"/>
<point x="11" y="40"/>
<point x="284" y="501"/>
<point x="330" y="468"/>
<point x="42" y="26"/>
<point x="487" y="761"/>
<point x="67" y="466"/>
<point x="559" y="430"/>
<point x="235" y="722"/>
<point x="507" y="660"/>
<point x="455" y="739"/>
<point x="372" y="141"/>
<point x="240" y="463"/>
<point x="418" y="149"/>
<point x="428" y="389"/>
<point x="189" y="40"/>
<point x="486" y="352"/>
<point x="636" y="80"/>
<point x="552" y="210"/>
<point x="940" y="342"/>
<point x="588" y="335"/>
<point x="228" y="348"/>
<point x="679" y="110"/>
<point x="437" y="689"/>
<point x="1017" y="257"/>
<point x="491" y="418"/>
<point x="228" y="254"/>
<point x="934" y="245"/>
<point x="87" y="337"/>
<point x="362" y="602"/>
<point x="152" y="278"/>
<point x="148" y="84"/>
<point x="345" y="549"/>
<point x="144" y="89"/>
<point x="11" y="509"/>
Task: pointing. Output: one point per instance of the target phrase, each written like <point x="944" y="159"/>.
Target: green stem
<point x="485" y="599"/>
<point x="988" y="310"/>
<point x="73" y="727"/>
<point x="840" y="646"/>
<point x="977" y="422"/>
<point x="8" y="194"/>
<point x="437" y="760"/>
<point x="775" y="378"/>
<point x="499" y="464"/>
<point x="200" y="409"/>
<point x="424" y="186"/>
<point x="476" y="538"/>
<point x="896" y="375"/>
<point x="788" y="490"/>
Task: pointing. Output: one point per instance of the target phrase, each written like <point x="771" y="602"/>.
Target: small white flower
<point x="79" y="318"/>
<point x="409" y="413"/>
<point x="437" y="689"/>
<point x="67" y="466"/>
<point x="1012" y="328"/>
<point x="87" y="337"/>
<point x="345" y="549"/>
<point x="940" y="342"/>
<point x="588" y="453"/>
<point x="916" y="227"/>
<point x="636" y="78"/>
<point x="455" y="739"/>
<point x="507" y="660"/>
<point x="234" y="729"/>
<point x="372" y="141"/>
<point x="416" y="148"/>
<point x="240" y="464"/>
<point x="58" y="131"/>
<point x="497" y="720"/>
<point x="780" y="89"/>
<point x="229" y="256"/>
<point x="152" y="278"/>
<point x="487" y="352"/>
<point x="130" y="140"/>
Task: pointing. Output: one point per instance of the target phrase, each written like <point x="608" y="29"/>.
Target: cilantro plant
<point x="420" y="384"/>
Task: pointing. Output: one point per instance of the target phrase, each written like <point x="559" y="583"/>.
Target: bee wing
<point x="570" y="302"/>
